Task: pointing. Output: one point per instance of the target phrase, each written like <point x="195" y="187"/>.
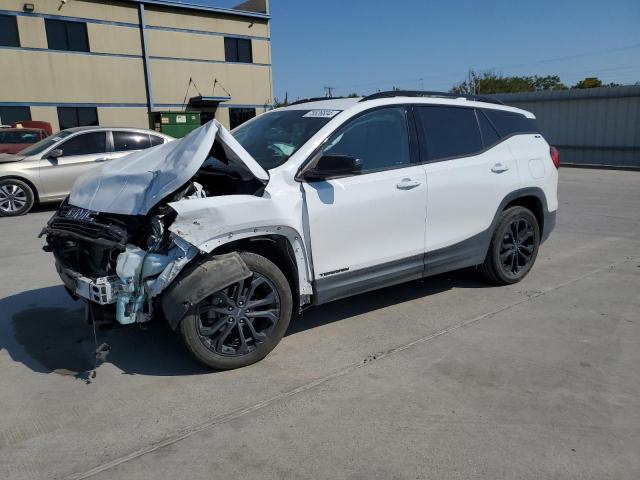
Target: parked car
<point x="46" y="170"/>
<point x="46" y="126"/>
<point x="226" y="235"/>
<point x="12" y="140"/>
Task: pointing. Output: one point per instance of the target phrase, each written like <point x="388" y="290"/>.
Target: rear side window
<point x="124" y="141"/>
<point x="449" y="132"/>
<point x="509" y="123"/>
<point x="85" y="144"/>
<point x="379" y="139"/>
<point x="489" y="134"/>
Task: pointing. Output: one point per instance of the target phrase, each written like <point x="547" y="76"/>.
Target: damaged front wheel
<point x="243" y="322"/>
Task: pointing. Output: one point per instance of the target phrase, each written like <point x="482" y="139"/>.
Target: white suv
<point x="226" y="235"/>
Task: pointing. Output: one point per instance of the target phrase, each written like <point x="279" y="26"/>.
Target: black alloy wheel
<point x="513" y="248"/>
<point x="518" y="245"/>
<point x="238" y="319"/>
<point x="240" y="324"/>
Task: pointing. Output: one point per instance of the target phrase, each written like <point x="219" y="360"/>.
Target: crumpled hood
<point x="133" y="184"/>
<point x="10" y="157"/>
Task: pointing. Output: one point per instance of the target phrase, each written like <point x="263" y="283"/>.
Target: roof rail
<point x="419" y="93"/>
<point x="314" y="99"/>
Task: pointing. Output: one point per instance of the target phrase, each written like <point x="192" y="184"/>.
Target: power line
<point x="460" y="74"/>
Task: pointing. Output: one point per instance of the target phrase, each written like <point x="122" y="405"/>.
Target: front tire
<point x="242" y="323"/>
<point x="16" y="197"/>
<point x="514" y="247"/>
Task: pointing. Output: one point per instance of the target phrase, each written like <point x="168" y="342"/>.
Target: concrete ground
<point x="446" y="379"/>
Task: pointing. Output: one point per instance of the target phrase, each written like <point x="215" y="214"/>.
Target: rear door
<point x="367" y="230"/>
<point x="469" y="172"/>
<point x="80" y="153"/>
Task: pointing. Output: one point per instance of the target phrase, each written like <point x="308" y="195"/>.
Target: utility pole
<point x="328" y="92"/>
<point x="472" y="82"/>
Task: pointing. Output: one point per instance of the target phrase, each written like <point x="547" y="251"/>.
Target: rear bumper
<point x="549" y="224"/>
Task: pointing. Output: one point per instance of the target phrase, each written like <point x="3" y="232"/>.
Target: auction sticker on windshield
<point x="321" y="113"/>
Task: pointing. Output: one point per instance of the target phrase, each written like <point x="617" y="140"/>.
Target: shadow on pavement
<point x="46" y="331"/>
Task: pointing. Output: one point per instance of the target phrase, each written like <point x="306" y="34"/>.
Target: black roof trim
<point x="314" y="99"/>
<point x="419" y="93"/>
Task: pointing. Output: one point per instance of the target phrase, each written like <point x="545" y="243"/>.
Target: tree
<point x="491" y="82"/>
<point x="589" y="82"/>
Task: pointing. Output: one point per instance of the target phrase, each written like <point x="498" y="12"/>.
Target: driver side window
<point x="380" y="139"/>
<point x="85" y="144"/>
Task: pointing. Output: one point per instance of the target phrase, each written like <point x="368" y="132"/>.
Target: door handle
<point x="407" y="184"/>
<point x="499" y="168"/>
<point x="101" y="159"/>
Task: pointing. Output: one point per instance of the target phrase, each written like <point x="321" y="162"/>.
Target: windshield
<point x="13" y="136"/>
<point x="43" y="144"/>
<point x="273" y="137"/>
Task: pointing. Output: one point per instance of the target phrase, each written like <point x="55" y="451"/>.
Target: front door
<point x="367" y="230"/>
<point x="80" y="154"/>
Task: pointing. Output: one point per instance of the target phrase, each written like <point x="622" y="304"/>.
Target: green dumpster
<point x="176" y="124"/>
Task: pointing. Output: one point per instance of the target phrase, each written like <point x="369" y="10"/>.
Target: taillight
<point x="555" y="156"/>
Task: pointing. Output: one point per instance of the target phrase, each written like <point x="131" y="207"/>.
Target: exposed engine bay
<point x="123" y="261"/>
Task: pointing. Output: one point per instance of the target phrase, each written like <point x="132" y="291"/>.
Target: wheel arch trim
<point x="290" y="234"/>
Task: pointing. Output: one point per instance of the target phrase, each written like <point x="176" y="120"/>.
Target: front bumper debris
<point x="101" y="290"/>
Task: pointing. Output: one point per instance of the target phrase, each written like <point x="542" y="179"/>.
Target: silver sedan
<point x="46" y="171"/>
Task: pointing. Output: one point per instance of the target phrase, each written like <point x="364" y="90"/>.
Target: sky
<point x="359" y="46"/>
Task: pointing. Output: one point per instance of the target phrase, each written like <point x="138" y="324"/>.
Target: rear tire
<point x="16" y="197"/>
<point x="513" y="248"/>
<point x="242" y="323"/>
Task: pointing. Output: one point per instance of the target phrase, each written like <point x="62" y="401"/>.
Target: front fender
<point x="211" y="222"/>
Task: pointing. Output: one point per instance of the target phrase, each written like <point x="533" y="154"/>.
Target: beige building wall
<point x="70" y="78"/>
<point x="247" y="84"/>
<point x="164" y="43"/>
<point x="99" y="10"/>
<point x="123" y="117"/>
<point x="114" y="39"/>
<point x="208" y="22"/>
<point x="32" y="32"/>
<point x="46" y="114"/>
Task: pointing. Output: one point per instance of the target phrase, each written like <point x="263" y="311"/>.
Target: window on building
<point x="237" y="50"/>
<point x="124" y="141"/>
<point x="8" y="115"/>
<point x="9" y="31"/>
<point x="237" y="116"/>
<point x="85" y="144"/>
<point x="63" y="35"/>
<point x="378" y="138"/>
<point x="450" y="131"/>
<point x="509" y="123"/>
<point x="69" y="117"/>
<point x="489" y="134"/>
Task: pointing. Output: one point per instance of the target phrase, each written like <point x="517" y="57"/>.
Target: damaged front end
<point x="119" y="262"/>
<point x="111" y="237"/>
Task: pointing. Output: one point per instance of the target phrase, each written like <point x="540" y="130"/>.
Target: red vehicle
<point x="37" y="124"/>
<point x="12" y="140"/>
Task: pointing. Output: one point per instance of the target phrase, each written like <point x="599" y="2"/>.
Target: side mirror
<point x="55" y="153"/>
<point x="332" y="166"/>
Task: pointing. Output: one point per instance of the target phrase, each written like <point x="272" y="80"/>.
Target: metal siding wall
<point x="599" y="126"/>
